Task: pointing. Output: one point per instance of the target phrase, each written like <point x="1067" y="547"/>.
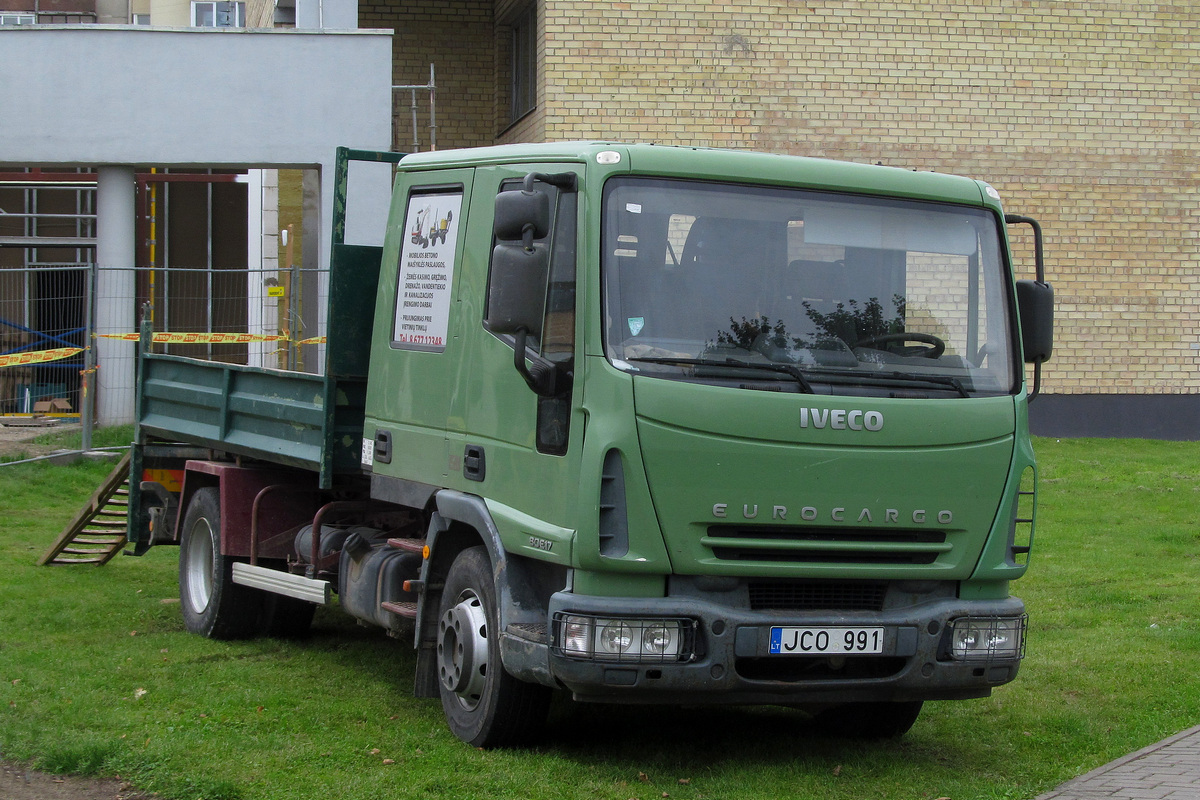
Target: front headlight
<point x="625" y="640"/>
<point x="987" y="638"/>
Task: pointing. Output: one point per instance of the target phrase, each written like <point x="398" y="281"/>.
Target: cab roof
<point x="721" y="165"/>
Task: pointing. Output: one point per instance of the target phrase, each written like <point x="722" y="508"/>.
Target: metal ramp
<point x="97" y="533"/>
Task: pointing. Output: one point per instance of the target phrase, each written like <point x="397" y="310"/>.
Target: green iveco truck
<point x="641" y="424"/>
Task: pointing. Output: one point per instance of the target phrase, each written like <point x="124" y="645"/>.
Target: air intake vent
<point x="812" y="545"/>
<point x="817" y="595"/>
<point x="614" y="518"/>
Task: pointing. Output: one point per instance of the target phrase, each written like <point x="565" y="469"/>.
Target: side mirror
<point x="1035" y="304"/>
<point x="517" y="288"/>
<point x="521" y="214"/>
<point x="520" y="274"/>
<point x="520" y="265"/>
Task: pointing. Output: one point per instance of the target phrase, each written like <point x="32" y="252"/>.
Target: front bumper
<point x="728" y="659"/>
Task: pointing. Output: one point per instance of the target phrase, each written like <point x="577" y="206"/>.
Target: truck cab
<point x="727" y="427"/>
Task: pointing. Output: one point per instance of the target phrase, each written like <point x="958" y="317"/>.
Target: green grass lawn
<point x="97" y="675"/>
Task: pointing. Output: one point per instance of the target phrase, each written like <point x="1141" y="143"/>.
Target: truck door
<point x="416" y="346"/>
<point x="520" y="445"/>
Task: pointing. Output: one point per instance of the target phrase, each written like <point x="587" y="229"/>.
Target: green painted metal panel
<point x="353" y="284"/>
<point x="289" y="418"/>
<point x="412" y="391"/>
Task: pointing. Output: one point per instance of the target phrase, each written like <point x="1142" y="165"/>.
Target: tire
<point x="483" y="704"/>
<point x="879" y="720"/>
<point x="213" y="605"/>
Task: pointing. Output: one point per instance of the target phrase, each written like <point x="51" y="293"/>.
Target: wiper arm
<point x="905" y="377"/>
<point x="786" y="369"/>
<point x="944" y="380"/>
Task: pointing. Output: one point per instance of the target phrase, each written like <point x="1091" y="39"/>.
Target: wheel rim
<point x="198" y="575"/>
<point x="463" y="649"/>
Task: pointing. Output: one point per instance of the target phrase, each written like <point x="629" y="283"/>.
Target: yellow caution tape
<point x="38" y="356"/>
<point x="313" y="340"/>
<point x="198" y="338"/>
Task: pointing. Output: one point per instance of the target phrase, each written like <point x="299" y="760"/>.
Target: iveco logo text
<point x="840" y="419"/>
<point x="919" y="516"/>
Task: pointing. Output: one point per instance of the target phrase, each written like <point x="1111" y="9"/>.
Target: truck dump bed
<point x="295" y="419"/>
<point x="292" y="418"/>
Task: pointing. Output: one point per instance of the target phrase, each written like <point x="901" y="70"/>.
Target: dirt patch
<point x="16" y="437"/>
<point x="20" y="783"/>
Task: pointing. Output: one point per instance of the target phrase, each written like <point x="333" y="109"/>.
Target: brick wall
<point x="457" y="36"/>
<point x="1082" y="114"/>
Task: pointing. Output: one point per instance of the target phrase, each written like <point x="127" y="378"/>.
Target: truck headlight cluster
<point x="987" y="638"/>
<point x="623" y="639"/>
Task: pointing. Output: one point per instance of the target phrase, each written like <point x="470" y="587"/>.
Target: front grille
<point x="813" y="545"/>
<point x="817" y="595"/>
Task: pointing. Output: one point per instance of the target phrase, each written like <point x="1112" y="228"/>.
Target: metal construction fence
<point x="60" y="325"/>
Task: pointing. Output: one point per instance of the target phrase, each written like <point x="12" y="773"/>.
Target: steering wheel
<point x="935" y="349"/>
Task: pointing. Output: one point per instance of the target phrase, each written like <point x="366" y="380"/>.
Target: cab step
<point x="408" y="610"/>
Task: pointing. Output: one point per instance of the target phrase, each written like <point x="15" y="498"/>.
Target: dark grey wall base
<point x="1113" y="416"/>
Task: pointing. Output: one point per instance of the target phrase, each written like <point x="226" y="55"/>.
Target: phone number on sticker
<point x="413" y="339"/>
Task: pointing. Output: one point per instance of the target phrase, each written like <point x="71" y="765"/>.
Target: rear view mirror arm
<point x="545" y="378"/>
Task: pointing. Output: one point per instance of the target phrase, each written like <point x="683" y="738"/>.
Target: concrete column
<point x="116" y="284"/>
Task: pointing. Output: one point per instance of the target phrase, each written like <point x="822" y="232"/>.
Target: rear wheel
<point x="870" y="720"/>
<point x="213" y="605"/>
<point x="483" y="704"/>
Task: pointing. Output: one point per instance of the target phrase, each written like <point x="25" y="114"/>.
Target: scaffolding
<point x="430" y="87"/>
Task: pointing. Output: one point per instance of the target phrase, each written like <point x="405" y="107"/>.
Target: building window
<point x="523" y="92"/>
<point x="141" y="19"/>
<point x="208" y="14"/>
<point x="13" y="18"/>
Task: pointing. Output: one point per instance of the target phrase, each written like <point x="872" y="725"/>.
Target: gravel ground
<point x="20" y="783"/>
<point x="17" y="437"/>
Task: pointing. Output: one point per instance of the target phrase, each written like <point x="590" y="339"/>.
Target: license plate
<point x="826" y="641"/>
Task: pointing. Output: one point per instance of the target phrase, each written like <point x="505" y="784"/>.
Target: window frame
<point x="239" y="9"/>
<point x="522" y="89"/>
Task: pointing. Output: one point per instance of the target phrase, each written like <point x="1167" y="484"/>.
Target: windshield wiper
<point x="943" y="380"/>
<point x="902" y="377"/>
<point x="786" y="369"/>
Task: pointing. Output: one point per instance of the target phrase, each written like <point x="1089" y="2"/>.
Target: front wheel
<point x="213" y="605"/>
<point x="483" y="704"/>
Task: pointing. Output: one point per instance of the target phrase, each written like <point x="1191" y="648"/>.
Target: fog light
<point x="987" y="638"/>
<point x="623" y="640"/>
<point x="657" y="640"/>
<point x="615" y="637"/>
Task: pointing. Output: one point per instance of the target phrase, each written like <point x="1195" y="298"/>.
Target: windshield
<point x="803" y="291"/>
